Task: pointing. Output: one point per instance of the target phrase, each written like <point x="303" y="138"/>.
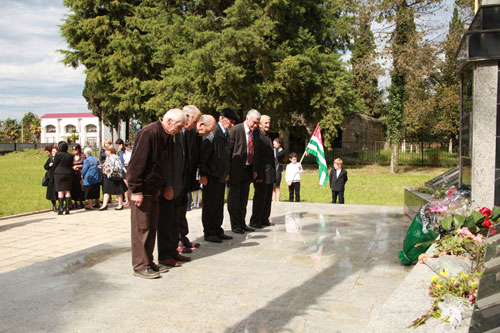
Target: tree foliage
<point x="281" y="57"/>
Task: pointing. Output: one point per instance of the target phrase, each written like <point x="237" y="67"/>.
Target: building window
<point x="50" y="129"/>
<point x="70" y="128"/>
<point x="92" y="142"/>
<point x="91" y="128"/>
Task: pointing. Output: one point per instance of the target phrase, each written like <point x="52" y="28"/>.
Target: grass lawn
<point x="21" y="187"/>
<point x="367" y="184"/>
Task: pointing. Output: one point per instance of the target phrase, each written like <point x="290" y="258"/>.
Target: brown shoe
<point x="147" y="274"/>
<point x="170" y="262"/>
<point x="180" y="257"/>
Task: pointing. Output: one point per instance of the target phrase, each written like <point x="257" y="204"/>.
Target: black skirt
<point x="63" y="182"/>
<point x="93" y="191"/>
<point x="76" y="188"/>
<point x="51" y="192"/>
<point x="111" y="186"/>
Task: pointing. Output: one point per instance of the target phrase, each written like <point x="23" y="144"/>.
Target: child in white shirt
<point x="292" y="177"/>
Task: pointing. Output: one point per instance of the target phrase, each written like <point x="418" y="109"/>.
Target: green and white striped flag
<point x="315" y="148"/>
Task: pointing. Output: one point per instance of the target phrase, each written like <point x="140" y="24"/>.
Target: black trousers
<point x="168" y="228"/>
<point x="261" y="209"/>
<point x="212" y="214"/>
<point x="237" y="199"/>
<point x="183" y="224"/>
<point x="340" y="194"/>
<point x="295" y="187"/>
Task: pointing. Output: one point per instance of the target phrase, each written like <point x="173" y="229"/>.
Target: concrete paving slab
<point x="320" y="268"/>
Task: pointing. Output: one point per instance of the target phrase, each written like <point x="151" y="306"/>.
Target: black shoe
<point x="119" y="208"/>
<point x="103" y="208"/>
<point x="238" y="231"/>
<point x="246" y="228"/>
<point x="60" y="212"/>
<point x="267" y="224"/>
<point x="213" y="239"/>
<point x="224" y="236"/>
<point x="160" y="268"/>
<point x="147" y="274"/>
<point x="256" y="226"/>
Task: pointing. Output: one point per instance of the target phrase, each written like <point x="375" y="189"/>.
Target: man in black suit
<point x="204" y="126"/>
<point x="170" y="204"/>
<point x="338" y="178"/>
<point x="244" y="160"/>
<point x="214" y="171"/>
<point x="266" y="168"/>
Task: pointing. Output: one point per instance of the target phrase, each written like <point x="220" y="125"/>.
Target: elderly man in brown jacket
<point x="146" y="178"/>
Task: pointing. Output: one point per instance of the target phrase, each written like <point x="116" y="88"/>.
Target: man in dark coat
<point x="244" y="160"/>
<point x="266" y="168"/>
<point x="204" y="126"/>
<point x="214" y="172"/>
<point x="146" y="177"/>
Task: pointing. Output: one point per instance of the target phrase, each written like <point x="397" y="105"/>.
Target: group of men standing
<point x="169" y="153"/>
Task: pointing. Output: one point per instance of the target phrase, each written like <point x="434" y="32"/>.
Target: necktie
<point x="250" y="147"/>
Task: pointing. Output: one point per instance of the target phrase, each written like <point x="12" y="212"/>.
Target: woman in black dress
<point x="63" y="176"/>
<point x="112" y="179"/>
<point x="279" y="153"/>
<point x="76" y="188"/>
<point x="51" y="189"/>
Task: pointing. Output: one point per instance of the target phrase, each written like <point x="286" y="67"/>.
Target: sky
<point x="32" y="76"/>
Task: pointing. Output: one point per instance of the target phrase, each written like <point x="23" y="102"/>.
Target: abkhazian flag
<point x="315" y="148"/>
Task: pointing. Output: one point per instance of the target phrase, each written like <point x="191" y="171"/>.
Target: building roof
<point x="68" y="115"/>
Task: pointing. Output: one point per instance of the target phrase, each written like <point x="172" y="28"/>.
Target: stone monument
<point x="479" y="67"/>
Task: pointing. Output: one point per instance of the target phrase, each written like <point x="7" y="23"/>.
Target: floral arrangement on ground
<point x="458" y="258"/>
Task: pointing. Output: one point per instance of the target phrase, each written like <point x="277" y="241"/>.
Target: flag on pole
<point x="315" y="148"/>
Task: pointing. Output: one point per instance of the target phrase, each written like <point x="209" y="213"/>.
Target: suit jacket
<point x="338" y="184"/>
<point x="147" y="167"/>
<point x="238" y="153"/>
<point x="63" y="163"/>
<point x="266" y="166"/>
<point x="177" y="164"/>
<point x="193" y="145"/>
<point x="214" y="154"/>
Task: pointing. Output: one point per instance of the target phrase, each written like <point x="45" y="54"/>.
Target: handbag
<point x="115" y="176"/>
<point x="45" y="180"/>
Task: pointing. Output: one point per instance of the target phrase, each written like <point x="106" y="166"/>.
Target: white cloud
<point x="32" y="76"/>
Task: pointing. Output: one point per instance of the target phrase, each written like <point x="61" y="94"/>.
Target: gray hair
<point x="206" y="119"/>
<point x="188" y="109"/>
<point x="176" y="115"/>
<point x="253" y="114"/>
<point x="88" y="151"/>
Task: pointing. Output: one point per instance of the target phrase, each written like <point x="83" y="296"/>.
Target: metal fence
<point x="429" y="153"/>
<point x="10" y="147"/>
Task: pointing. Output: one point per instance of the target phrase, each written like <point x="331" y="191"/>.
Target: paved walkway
<point x="320" y="268"/>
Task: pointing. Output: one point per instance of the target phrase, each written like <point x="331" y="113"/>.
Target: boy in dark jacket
<point x="338" y="178"/>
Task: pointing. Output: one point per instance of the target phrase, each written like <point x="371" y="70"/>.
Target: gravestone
<point x="478" y="59"/>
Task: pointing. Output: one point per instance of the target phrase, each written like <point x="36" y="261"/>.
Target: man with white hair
<point x="173" y="206"/>
<point x="244" y="152"/>
<point x="204" y="126"/>
<point x="146" y="178"/>
<point x="261" y="208"/>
